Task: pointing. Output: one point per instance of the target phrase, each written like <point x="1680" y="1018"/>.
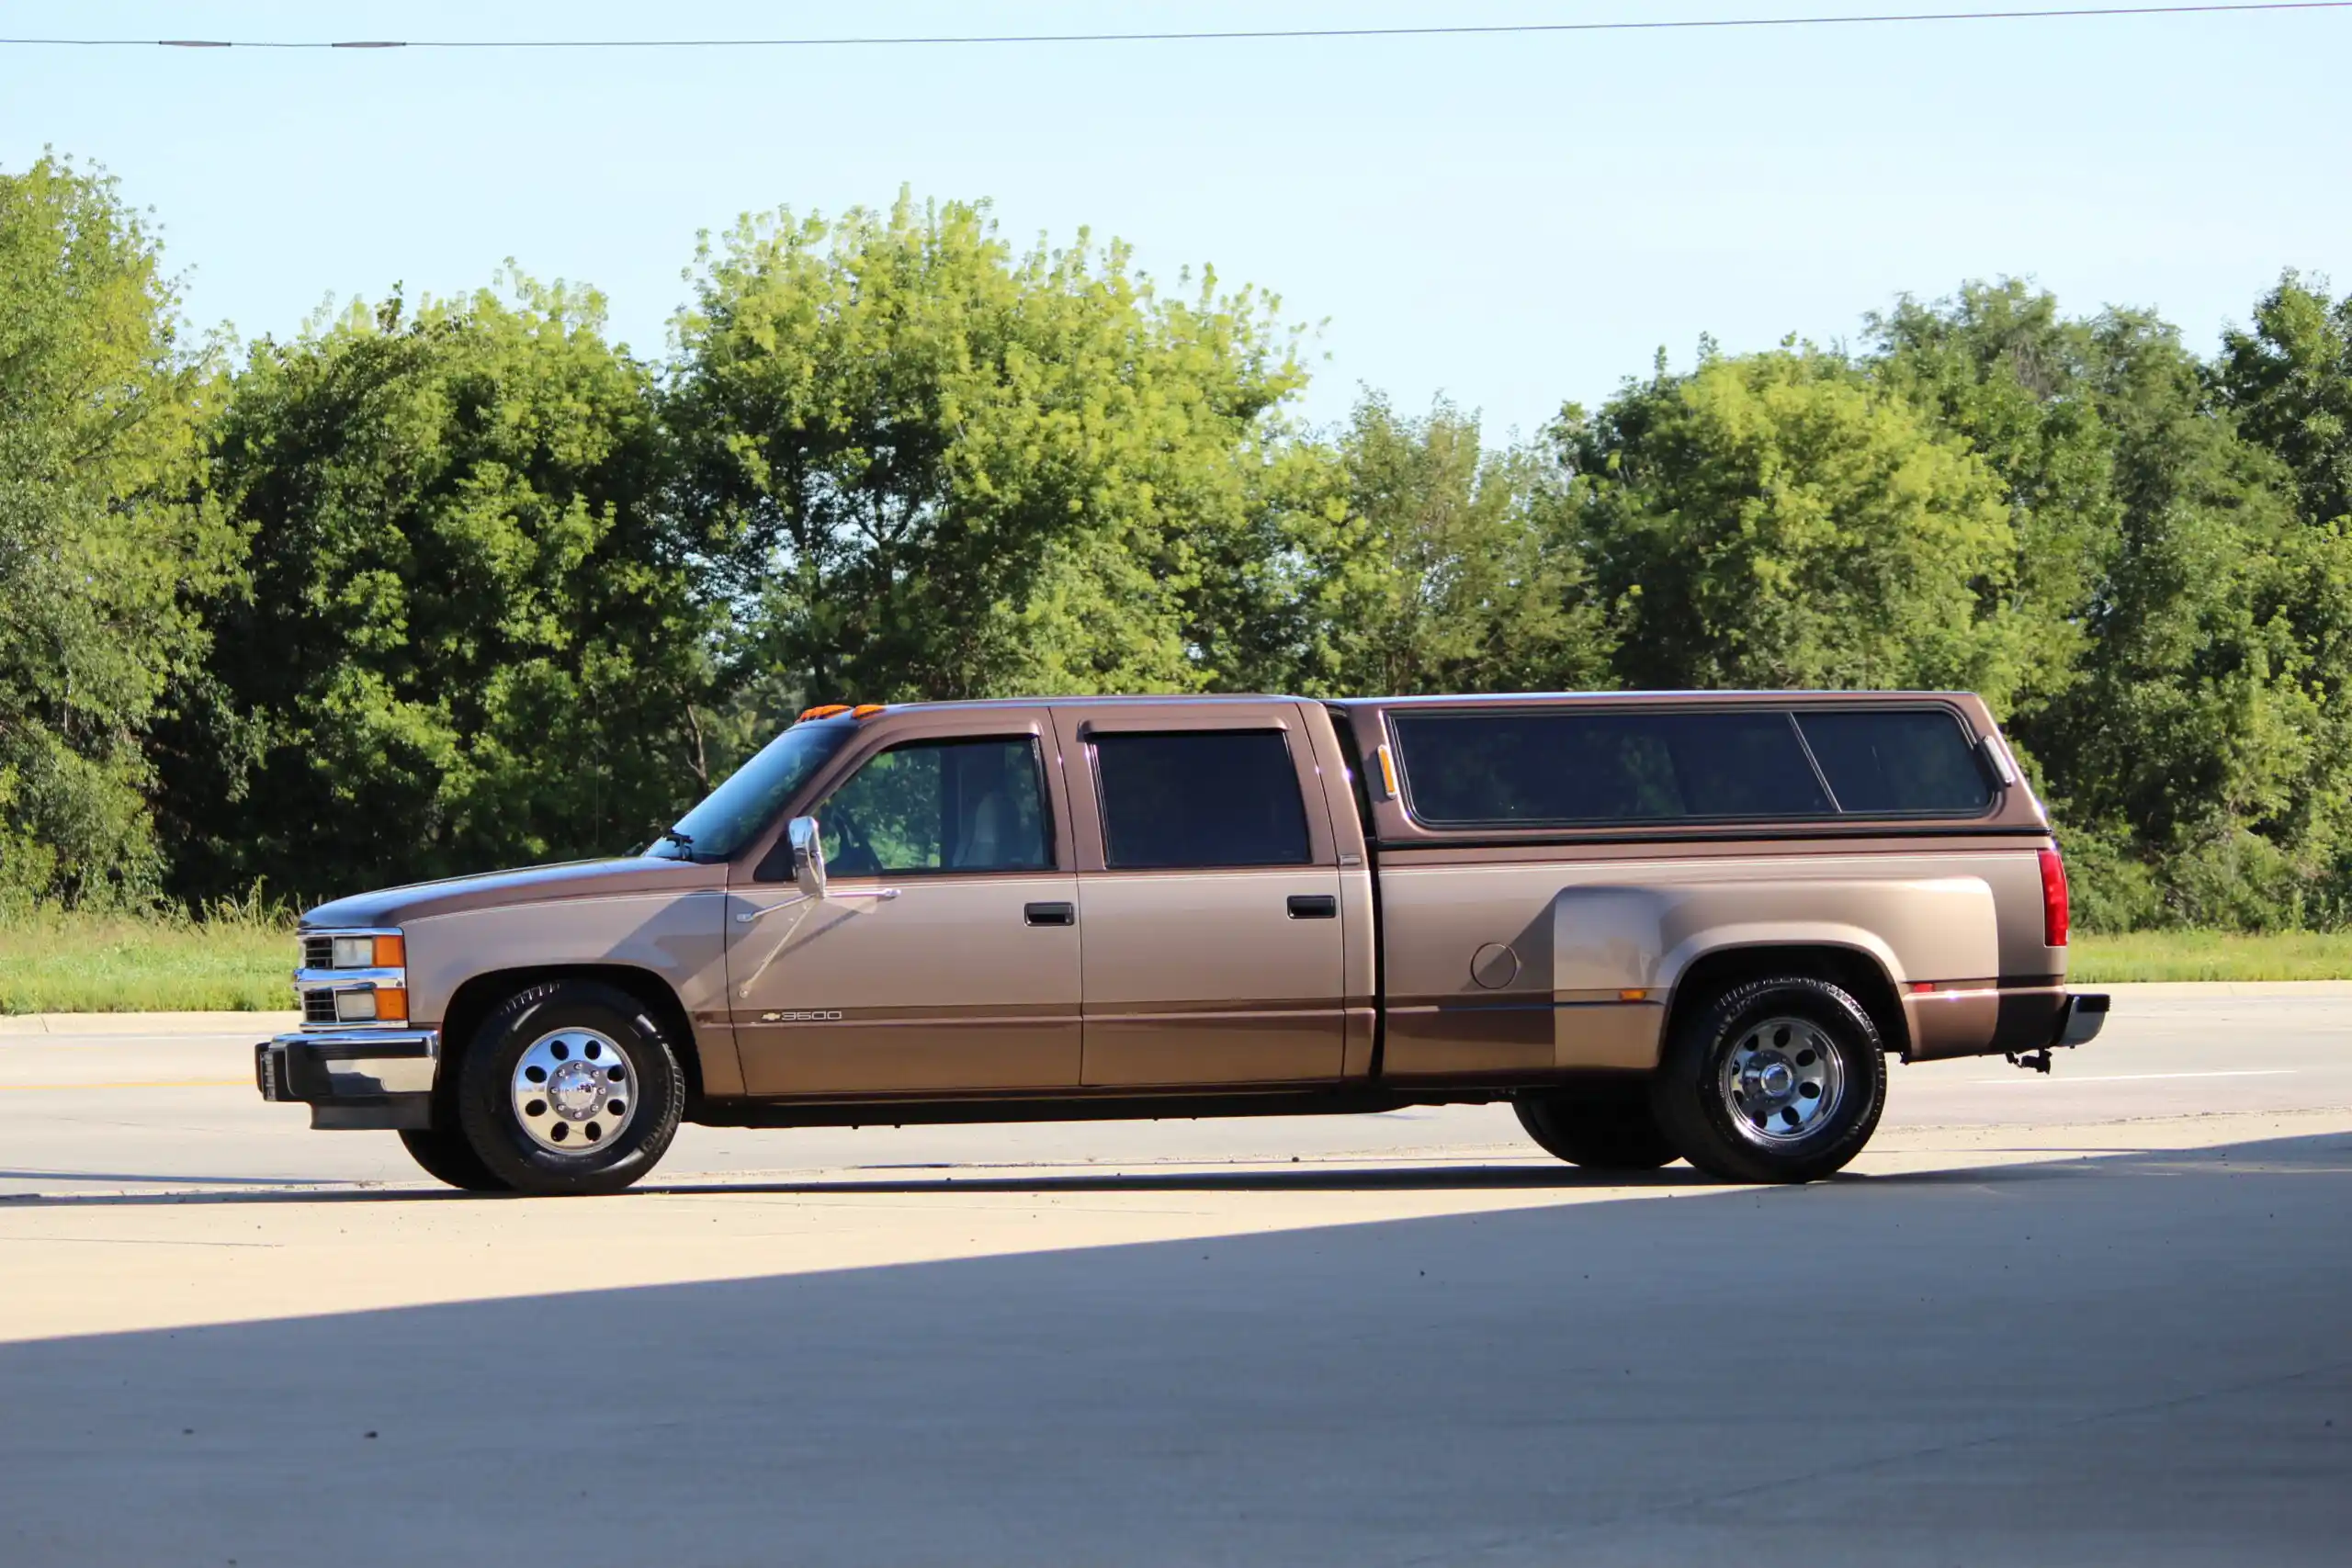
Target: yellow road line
<point x="141" y="1083"/>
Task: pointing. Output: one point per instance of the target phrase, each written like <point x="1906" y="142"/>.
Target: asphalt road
<point x="2096" y="1319"/>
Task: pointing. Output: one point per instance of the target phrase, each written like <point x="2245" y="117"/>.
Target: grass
<point x="2211" y="955"/>
<point x="238" y="960"/>
<point x="53" y="961"/>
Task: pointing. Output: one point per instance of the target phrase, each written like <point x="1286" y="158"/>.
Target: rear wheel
<point x="1611" y="1129"/>
<point x="446" y="1157"/>
<point x="1775" y="1080"/>
<point x="571" y="1088"/>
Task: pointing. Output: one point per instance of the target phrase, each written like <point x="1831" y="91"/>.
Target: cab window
<point x="1200" y="798"/>
<point x="940" y="805"/>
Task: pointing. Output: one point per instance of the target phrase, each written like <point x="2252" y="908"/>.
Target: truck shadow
<point x="947" y="1179"/>
<point x="951" y="1179"/>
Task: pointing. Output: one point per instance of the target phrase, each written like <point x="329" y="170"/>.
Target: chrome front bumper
<point x="353" y="1077"/>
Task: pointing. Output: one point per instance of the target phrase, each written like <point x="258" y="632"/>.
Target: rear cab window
<point x="1578" y="768"/>
<point x="1200" y="798"/>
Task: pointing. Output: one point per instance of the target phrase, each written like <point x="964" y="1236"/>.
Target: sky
<point x="1508" y="223"/>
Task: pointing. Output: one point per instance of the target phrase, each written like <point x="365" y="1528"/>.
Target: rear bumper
<point x="2081" y="1018"/>
<point x="1996" y="1021"/>
<point x="353" y="1077"/>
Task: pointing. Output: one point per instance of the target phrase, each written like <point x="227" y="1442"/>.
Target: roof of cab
<point x="1448" y="700"/>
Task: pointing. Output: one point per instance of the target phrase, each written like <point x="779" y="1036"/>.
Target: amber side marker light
<point x="392" y="952"/>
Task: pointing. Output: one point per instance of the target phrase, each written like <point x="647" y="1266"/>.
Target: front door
<point x="946" y="957"/>
<point x="1208" y="897"/>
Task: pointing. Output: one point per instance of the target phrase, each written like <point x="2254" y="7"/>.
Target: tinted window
<point x="950" y="805"/>
<point x="1896" y="761"/>
<point x="1202" y="798"/>
<point x="1523" y="769"/>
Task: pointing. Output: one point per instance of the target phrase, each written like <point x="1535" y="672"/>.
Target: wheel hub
<point x="577" y="1090"/>
<point x="574" y="1092"/>
<point x="1782" y="1080"/>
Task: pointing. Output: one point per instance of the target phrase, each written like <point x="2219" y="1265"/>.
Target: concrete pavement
<point x="2098" y="1318"/>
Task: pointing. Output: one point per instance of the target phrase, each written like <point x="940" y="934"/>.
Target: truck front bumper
<point x="353" y="1077"/>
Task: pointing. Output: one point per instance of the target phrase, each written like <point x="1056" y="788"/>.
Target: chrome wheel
<point x="1783" y="1081"/>
<point x="574" y="1092"/>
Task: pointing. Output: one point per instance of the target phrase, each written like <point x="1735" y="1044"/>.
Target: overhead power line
<point x="1205" y="36"/>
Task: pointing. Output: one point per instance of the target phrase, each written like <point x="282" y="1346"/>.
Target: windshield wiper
<point x="683" y="841"/>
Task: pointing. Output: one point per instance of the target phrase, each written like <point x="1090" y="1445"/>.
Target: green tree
<point x="1777" y="520"/>
<point x="2288" y="381"/>
<point x="1407" y="557"/>
<point x="2182" y="736"/>
<point x="101" y="550"/>
<point x="925" y="467"/>
<point x="471" y="636"/>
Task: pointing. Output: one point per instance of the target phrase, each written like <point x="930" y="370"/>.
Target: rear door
<point x="1212" y="947"/>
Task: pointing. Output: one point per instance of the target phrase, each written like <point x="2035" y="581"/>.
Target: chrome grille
<point x="318" y="1007"/>
<point x="318" y="951"/>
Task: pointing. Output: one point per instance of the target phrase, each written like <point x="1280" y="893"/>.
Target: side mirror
<point x="808" y="856"/>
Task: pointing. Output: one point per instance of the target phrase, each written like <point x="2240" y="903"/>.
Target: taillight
<point x="2055" y="917"/>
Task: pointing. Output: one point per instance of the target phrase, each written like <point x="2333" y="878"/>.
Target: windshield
<point x="751" y="797"/>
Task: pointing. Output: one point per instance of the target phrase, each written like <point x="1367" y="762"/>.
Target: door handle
<point x="1314" y="906"/>
<point x="1049" y="914"/>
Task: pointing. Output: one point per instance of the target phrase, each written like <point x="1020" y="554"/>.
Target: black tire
<point x="1739" y="1125"/>
<point x="1597" y="1128"/>
<point x="486" y="1100"/>
<point x="448" y="1157"/>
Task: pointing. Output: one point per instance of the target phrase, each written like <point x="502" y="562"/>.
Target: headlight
<point x="354" y="953"/>
<point x="382" y="1005"/>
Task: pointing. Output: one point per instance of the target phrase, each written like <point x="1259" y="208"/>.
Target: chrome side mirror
<point x="808" y="856"/>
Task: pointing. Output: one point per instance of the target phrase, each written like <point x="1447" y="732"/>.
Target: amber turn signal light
<point x="392" y="952"/>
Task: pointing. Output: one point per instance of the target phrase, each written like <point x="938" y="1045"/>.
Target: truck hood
<point x="532" y="884"/>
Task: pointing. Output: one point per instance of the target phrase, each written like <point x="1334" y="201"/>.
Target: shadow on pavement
<point x="2146" y="1365"/>
<point x="1287" y="1179"/>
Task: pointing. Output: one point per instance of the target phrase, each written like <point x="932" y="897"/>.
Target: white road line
<point x="2143" y="1077"/>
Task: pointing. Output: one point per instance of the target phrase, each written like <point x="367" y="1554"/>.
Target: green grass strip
<point x="2211" y="955"/>
<point x="52" y="962"/>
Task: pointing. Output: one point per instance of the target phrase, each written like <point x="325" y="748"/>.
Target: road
<point x="2096" y="1318"/>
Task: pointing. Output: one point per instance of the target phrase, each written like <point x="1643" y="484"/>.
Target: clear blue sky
<point x="1510" y="221"/>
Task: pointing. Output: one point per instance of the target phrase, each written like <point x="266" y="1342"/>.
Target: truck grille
<point x="318" y="953"/>
<point x="318" y="1007"/>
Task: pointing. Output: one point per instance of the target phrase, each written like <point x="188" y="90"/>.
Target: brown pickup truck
<point x="1659" y="925"/>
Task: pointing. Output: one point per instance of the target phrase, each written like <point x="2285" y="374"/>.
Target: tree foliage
<point x="102" y="547"/>
<point x="1410" y="558"/>
<point x="927" y="467"/>
<point x="470" y="632"/>
<point x="1779" y="520"/>
<point x="425" y="593"/>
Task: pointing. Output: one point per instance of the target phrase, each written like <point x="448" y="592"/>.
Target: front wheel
<point x="571" y="1088"/>
<point x="1608" y="1129"/>
<point x="1775" y="1080"/>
